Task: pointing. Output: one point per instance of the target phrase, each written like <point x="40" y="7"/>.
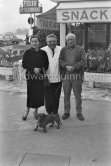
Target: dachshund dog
<point x="44" y="120"/>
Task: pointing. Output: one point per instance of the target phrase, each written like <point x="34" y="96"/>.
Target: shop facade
<point x="90" y="20"/>
<point x="47" y="24"/>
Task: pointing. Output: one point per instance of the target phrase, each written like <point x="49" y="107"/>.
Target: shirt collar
<point x="34" y="49"/>
<point x="51" y="48"/>
<point x="72" y="47"/>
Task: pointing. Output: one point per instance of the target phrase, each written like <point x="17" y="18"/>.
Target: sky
<point x="10" y="19"/>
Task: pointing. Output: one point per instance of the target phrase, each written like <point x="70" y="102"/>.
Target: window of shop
<point x="79" y="30"/>
<point x="96" y="35"/>
<point x="95" y="38"/>
<point x="99" y="35"/>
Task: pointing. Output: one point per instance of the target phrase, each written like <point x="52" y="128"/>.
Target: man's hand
<point x="36" y="70"/>
<point x="69" y="68"/>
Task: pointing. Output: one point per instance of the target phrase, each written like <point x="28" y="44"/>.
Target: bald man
<point x="72" y="62"/>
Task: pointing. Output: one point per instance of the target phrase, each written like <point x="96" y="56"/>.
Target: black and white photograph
<point x="55" y="82"/>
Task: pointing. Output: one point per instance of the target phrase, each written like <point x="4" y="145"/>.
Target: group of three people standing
<point x="63" y="66"/>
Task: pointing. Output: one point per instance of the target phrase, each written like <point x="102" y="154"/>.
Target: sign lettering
<point x="27" y="10"/>
<point x="30" y="3"/>
<point x="92" y="15"/>
<point x="84" y="15"/>
<point x="47" y="24"/>
<point x="76" y="15"/>
<point x="65" y="16"/>
<point x="30" y="6"/>
<point x="103" y="13"/>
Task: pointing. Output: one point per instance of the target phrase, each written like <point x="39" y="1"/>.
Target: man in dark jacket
<point x="72" y="62"/>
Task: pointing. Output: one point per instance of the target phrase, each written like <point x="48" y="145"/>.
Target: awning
<point x="84" y="4"/>
<point x="93" y="11"/>
<point x="50" y="14"/>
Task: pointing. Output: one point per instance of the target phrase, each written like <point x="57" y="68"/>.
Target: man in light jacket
<point x="53" y="91"/>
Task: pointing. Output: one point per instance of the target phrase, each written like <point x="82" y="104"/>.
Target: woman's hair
<point x="34" y="36"/>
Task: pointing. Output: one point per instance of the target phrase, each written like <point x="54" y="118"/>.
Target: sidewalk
<point x="101" y="92"/>
<point x="77" y="143"/>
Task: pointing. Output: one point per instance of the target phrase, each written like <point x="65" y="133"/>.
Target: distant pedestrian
<point x="72" y="62"/>
<point x="35" y="61"/>
<point x="27" y="39"/>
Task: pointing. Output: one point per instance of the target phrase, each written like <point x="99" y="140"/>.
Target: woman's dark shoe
<point x="24" y="117"/>
<point x="80" y="116"/>
<point x="65" y="116"/>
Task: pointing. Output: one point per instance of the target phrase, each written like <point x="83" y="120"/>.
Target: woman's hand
<point x="37" y="70"/>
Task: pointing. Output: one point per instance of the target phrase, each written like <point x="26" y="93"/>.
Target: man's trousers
<point x="52" y="97"/>
<point x="76" y="85"/>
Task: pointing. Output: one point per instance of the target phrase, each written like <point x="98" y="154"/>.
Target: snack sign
<point x="84" y="15"/>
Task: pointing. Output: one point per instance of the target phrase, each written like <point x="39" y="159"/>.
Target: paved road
<point x="86" y="143"/>
<point x="101" y="92"/>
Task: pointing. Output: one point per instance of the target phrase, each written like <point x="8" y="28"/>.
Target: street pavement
<point x="101" y="92"/>
<point x="76" y="143"/>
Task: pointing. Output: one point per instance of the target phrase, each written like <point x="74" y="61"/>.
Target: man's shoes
<point x="65" y="116"/>
<point x="80" y="116"/>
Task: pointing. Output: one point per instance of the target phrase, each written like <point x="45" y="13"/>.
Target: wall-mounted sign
<point x="28" y="10"/>
<point x="84" y="15"/>
<point x="45" y="23"/>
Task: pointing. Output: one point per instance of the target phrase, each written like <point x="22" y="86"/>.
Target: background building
<point x="47" y="24"/>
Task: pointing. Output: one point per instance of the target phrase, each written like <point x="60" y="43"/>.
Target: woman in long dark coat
<point x="35" y="61"/>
